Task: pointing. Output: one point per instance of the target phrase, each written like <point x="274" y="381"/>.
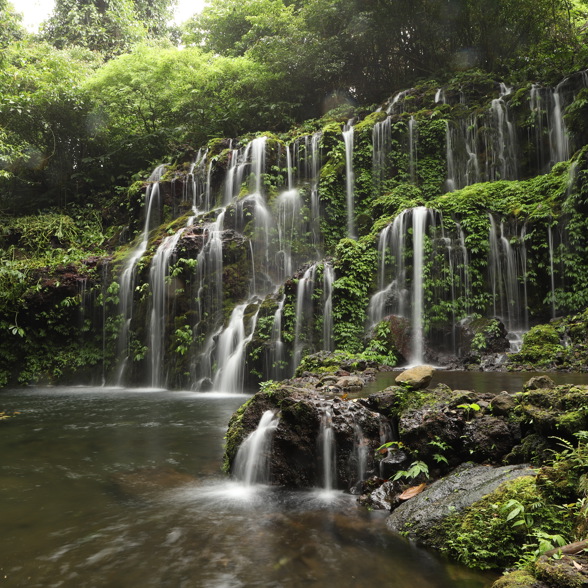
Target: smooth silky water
<point x="122" y="488"/>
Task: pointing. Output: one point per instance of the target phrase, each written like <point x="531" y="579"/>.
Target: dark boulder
<point x="296" y="456"/>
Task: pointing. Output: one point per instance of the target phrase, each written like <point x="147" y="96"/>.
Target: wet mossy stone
<point x="502" y="404"/>
<point x="567" y="572"/>
<point x="539" y="383"/>
<point x="518" y="579"/>
<point x="561" y="410"/>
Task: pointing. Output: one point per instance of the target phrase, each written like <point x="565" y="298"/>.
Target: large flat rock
<point x="465" y="485"/>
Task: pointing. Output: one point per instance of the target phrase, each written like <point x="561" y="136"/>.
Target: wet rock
<point x="416" y="378"/>
<point x="553" y="411"/>
<point x="438" y="423"/>
<point x="503" y="404"/>
<point x="465" y="485"/>
<point x="489" y="438"/>
<point x="350" y="383"/>
<point x="539" y="383"/>
<point x="296" y="459"/>
<point x="534" y="449"/>
<point x="393" y="462"/>
<point x="383" y="498"/>
<point x="386" y="401"/>
<point x="482" y="336"/>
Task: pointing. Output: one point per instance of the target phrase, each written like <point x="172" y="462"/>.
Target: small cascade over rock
<point x="328" y="450"/>
<point x="252" y="462"/>
<point x="324" y="443"/>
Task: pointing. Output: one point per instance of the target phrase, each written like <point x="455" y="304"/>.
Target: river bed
<point x="122" y="488"/>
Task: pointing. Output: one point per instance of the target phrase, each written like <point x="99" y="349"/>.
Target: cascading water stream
<point x="328" y="280"/>
<point x="419" y="220"/>
<point x="158" y="280"/>
<point x="252" y="459"/>
<point x="127" y="277"/>
<point x="349" y="179"/>
<point x="277" y="358"/>
<point x="394" y="295"/>
<point x="304" y="293"/>
<point x="231" y="350"/>
<point x="508" y="276"/>
<point x="382" y="145"/>
<point x="327" y="450"/>
<point x="360" y="451"/>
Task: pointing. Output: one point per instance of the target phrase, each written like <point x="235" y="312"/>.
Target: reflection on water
<point x="121" y="488"/>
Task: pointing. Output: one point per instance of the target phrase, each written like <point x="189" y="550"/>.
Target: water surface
<point x="122" y="488"/>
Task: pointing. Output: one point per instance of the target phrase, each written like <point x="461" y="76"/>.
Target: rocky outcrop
<point x="296" y="458"/>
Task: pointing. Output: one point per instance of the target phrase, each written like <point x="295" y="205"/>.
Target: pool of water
<point x="481" y="382"/>
<point x="122" y="488"/>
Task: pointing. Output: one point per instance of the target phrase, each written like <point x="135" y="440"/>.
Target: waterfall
<point x="394" y="295"/>
<point x="349" y="179"/>
<point x="327" y="450"/>
<point x="440" y="96"/>
<point x="158" y="280"/>
<point x="231" y="350"/>
<point x="328" y="279"/>
<point x="127" y="276"/>
<point x="546" y="105"/>
<point x="508" y="275"/>
<point x="450" y="184"/>
<point x="558" y="135"/>
<point x="253" y="460"/>
<point x="315" y="168"/>
<point x="360" y="451"/>
<point x="304" y="293"/>
<point x="396" y="106"/>
<point x="382" y="144"/>
<point x="277" y="359"/>
<point x="502" y="164"/>
<point x="257" y="163"/>
<point x="290" y="230"/>
<point x="412" y="149"/>
<point x="419" y="219"/>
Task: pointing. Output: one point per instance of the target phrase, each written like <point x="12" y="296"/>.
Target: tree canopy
<point x="103" y="93"/>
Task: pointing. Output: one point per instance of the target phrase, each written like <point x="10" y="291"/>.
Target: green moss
<point x="489" y="534"/>
<point x="515" y="579"/>
<point x="235" y="435"/>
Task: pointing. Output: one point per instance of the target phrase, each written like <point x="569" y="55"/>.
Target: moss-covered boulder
<point x="559" y="410"/>
<point x="423" y="517"/>
<point x="565" y="572"/>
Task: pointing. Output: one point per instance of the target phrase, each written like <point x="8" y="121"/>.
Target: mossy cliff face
<point x="411" y="153"/>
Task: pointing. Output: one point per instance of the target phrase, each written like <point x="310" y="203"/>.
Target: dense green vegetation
<point x="104" y="93"/>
